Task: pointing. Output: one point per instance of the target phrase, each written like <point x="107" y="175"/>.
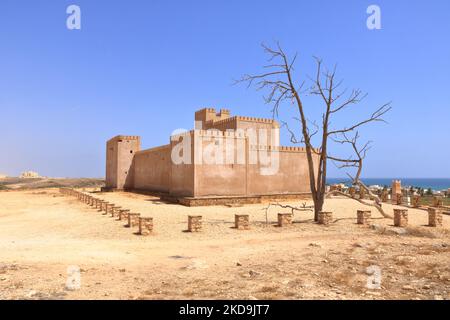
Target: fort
<point x="223" y="160"/>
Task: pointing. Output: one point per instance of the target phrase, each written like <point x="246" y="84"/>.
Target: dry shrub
<point x="422" y="232"/>
<point x="189" y="292"/>
<point x="427" y="269"/>
<point x="344" y="278"/>
<point x="289" y="294"/>
<point x="425" y="252"/>
<point x="269" y="296"/>
<point x="269" y="289"/>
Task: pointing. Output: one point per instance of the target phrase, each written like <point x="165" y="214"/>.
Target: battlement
<point x="204" y="110"/>
<point x="208" y="117"/>
<point x="219" y="133"/>
<point x="253" y="119"/>
<point x="223" y="121"/>
<point x="123" y="137"/>
<point x="209" y="133"/>
<point x="212" y="110"/>
<point x="242" y="118"/>
<point x="279" y="148"/>
<point x="181" y="134"/>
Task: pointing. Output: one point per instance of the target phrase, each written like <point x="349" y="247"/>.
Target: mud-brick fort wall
<point x="128" y="167"/>
<point x="152" y="169"/>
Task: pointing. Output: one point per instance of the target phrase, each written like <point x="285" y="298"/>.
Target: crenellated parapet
<point x="279" y="148"/>
<point x="253" y="119"/>
<point x="124" y="137"/>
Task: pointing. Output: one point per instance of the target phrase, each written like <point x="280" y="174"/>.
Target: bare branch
<point x="376" y="116"/>
<point x="303" y="208"/>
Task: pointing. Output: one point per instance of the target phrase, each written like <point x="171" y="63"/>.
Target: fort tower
<point x="120" y="152"/>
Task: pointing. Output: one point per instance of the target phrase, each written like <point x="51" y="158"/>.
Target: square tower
<point x="209" y="115"/>
<point x="120" y="152"/>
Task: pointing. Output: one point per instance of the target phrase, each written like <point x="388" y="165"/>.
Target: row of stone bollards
<point x="363" y="217"/>
<point x="144" y="224"/>
<point x="242" y="221"/>
<point x="434" y="217"/>
<point x="398" y="199"/>
<point x="414" y="201"/>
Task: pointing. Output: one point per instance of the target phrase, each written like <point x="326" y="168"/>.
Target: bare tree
<point x="357" y="162"/>
<point x="280" y="83"/>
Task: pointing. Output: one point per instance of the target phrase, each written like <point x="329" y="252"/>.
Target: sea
<point x="436" y="184"/>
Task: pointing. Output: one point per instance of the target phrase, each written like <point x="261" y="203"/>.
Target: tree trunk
<point x="318" y="205"/>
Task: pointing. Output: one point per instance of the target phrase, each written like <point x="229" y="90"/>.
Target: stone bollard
<point x="104" y="207"/>
<point x="123" y="214"/>
<point x="325" y="218"/>
<point x="99" y="204"/>
<point x="416" y="201"/>
<point x="194" y="223"/>
<point x="145" y="226"/>
<point x="384" y="196"/>
<point x="352" y="192"/>
<point x="362" y="193"/>
<point x="438" y="202"/>
<point x="284" y="219"/>
<point x="115" y="210"/>
<point x="399" y="199"/>
<point x="133" y="220"/>
<point x="335" y="187"/>
<point x="241" y="221"/>
<point x="363" y="216"/>
<point x="108" y="207"/>
<point x="434" y="217"/>
<point x="401" y="218"/>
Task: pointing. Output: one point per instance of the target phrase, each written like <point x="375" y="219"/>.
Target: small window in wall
<point x="126" y="172"/>
<point x="131" y="151"/>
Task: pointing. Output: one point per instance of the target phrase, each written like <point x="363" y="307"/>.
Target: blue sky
<point x="144" y="67"/>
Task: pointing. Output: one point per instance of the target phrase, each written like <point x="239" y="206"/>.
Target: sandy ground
<point x="43" y="233"/>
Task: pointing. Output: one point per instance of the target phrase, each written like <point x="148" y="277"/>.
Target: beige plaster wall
<point x="152" y="169"/>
